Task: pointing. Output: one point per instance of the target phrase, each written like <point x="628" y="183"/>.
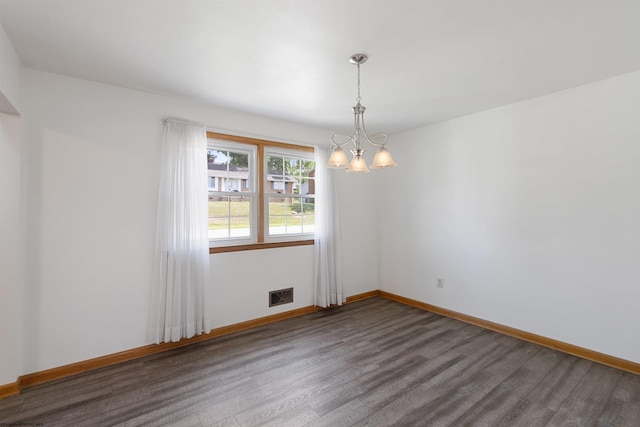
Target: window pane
<point x="228" y="170"/>
<point x="290" y="175"/>
<point x="307" y="168"/>
<point x="229" y="216"/>
<point x="292" y="166"/>
<point x="295" y="206"/>
<point x="278" y="208"/>
<point x="238" y="160"/>
<point x="307" y="186"/>
<point x="290" y="215"/>
<point x="294" y="217"/>
<point x="275" y="175"/>
<point x="295" y="228"/>
<point x="309" y="223"/>
<point x="277" y="225"/>
<point x="295" y="185"/>
<point x="231" y="184"/>
<point x="275" y="165"/>
<point x="216" y="157"/>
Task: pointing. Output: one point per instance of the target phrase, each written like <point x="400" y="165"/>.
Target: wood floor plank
<point x="298" y="416"/>
<point x="11" y="407"/>
<point x="628" y="389"/>
<point x="374" y="362"/>
<point x="627" y="415"/>
<point x="493" y="407"/>
<point x="448" y="407"/>
<point x="343" y="416"/>
<point x="368" y="383"/>
<point x="322" y="385"/>
<point x="238" y="404"/>
<point x="227" y="422"/>
<point x="190" y="421"/>
<point x="444" y="395"/>
<point x="455" y="338"/>
<point x="585" y="404"/>
<point x="404" y="381"/>
<point x="527" y="413"/>
<point x="542" y="403"/>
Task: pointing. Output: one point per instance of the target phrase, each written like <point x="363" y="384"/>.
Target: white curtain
<point x="181" y="296"/>
<point x="327" y="248"/>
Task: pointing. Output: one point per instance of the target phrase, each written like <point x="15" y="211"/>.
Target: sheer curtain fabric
<point x="181" y="297"/>
<point x="327" y="247"/>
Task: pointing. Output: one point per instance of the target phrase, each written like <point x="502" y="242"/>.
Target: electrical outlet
<point x="440" y="282"/>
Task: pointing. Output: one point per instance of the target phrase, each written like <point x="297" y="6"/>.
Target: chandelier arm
<point x="376" y="135"/>
<point x="349" y="139"/>
<point x="370" y="139"/>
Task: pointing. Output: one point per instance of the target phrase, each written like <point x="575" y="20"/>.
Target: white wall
<point x="12" y="226"/>
<point x="93" y="152"/>
<point x="530" y="213"/>
<point x="11" y="249"/>
<point x="10" y="76"/>
<point x="245" y="279"/>
<point x="358" y="196"/>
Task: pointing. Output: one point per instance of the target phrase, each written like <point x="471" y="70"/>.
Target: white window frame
<point x="291" y="153"/>
<point x="251" y="151"/>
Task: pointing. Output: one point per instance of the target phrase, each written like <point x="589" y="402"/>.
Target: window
<point x="232" y="211"/>
<point x="261" y="193"/>
<point x="290" y="201"/>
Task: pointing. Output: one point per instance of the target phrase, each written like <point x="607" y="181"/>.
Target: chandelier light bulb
<point x="358" y="165"/>
<point x="383" y="159"/>
<point x="338" y="159"/>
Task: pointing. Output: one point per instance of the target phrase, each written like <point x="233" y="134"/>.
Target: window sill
<point x="254" y="246"/>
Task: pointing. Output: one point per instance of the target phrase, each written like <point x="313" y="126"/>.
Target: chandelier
<point x="338" y="158"/>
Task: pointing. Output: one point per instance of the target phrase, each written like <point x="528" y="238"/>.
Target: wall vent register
<point x="282" y="296"/>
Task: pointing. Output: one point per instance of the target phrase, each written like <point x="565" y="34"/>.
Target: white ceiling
<point x="428" y="60"/>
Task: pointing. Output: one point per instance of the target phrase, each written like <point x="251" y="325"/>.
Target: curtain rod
<point x="181" y="120"/>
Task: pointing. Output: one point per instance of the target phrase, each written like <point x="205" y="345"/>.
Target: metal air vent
<point x="282" y="296"/>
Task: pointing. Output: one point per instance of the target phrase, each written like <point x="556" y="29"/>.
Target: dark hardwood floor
<point x="371" y="363"/>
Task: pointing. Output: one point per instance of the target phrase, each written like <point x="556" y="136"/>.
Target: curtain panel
<point x="181" y="294"/>
<point x="328" y="240"/>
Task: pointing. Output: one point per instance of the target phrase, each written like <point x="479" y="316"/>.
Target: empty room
<point x="198" y="227"/>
